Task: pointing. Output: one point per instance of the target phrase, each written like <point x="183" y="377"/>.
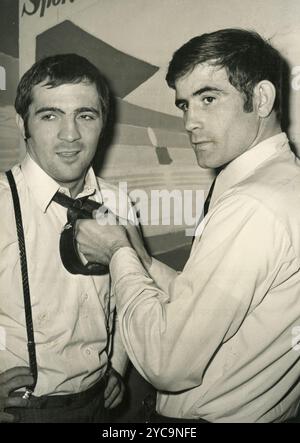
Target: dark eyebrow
<point x="77" y="111"/>
<point x="48" y="109"/>
<point x="200" y="91"/>
<point x="207" y="89"/>
<point x="87" y="109"/>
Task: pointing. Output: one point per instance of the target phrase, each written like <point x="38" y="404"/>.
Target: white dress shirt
<point x="69" y="311"/>
<point x="217" y="340"/>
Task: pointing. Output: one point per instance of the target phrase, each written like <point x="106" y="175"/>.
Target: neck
<point x="267" y="128"/>
<point x="74" y="187"/>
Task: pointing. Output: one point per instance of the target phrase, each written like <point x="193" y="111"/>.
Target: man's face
<point x="64" y="125"/>
<point x="219" y="128"/>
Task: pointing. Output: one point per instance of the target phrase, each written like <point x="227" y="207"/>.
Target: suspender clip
<point x="27" y="394"/>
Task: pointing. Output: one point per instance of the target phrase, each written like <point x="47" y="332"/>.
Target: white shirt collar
<point x="246" y="163"/>
<point x="43" y="187"/>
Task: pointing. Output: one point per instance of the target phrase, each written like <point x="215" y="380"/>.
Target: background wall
<point x="132" y="42"/>
<point x="152" y="30"/>
<point x="9" y="60"/>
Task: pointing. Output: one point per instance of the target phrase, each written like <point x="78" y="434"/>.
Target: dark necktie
<point x="206" y="204"/>
<point x="81" y="207"/>
<point x="78" y="208"/>
<point x="208" y="198"/>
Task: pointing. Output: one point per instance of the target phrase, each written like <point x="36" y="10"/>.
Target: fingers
<point x="7" y="418"/>
<point x="112" y="388"/>
<point x="114" y="391"/>
<point x="11" y="402"/>
<point x="17" y="383"/>
<point x="111" y="384"/>
<point x="6" y="376"/>
<point x="13" y="379"/>
<point x="116" y="400"/>
<point x="111" y="397"/>
<point x="15" y="402"/>
<point x="114" y="397"/>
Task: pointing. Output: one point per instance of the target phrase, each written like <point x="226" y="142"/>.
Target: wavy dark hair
<point x="245" y="55"/>
<point x="57" y="70"/>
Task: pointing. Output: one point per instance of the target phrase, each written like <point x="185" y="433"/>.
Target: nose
<point x="193" y="118"/>
<point x="68" y="130"/>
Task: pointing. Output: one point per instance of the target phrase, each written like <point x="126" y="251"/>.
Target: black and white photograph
<point x="150" y="214"/>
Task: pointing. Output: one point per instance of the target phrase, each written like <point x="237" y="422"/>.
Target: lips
<point x="68" y="156"/>
<point x="201" y="144"/>
<point x="67" y="153"/>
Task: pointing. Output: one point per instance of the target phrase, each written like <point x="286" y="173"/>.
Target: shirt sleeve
<point x="162" y="274"/>
<point x="172" y="337"/>
<point x="119" y="357"/>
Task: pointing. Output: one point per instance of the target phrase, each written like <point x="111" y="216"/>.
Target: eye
<point x="208" y="100"/>
<point x="183" y="107"/>
<point x="87" y="117"/>
<point x="48" y="117"/>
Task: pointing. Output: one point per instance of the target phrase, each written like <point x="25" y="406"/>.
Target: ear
<point x="20" y="124"/>
<point x="264" y="98"/>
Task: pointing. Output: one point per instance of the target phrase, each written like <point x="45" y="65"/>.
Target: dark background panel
<point x="9" y="27"/>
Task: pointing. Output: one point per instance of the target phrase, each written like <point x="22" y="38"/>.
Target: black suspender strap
<point x="25" y="282"/>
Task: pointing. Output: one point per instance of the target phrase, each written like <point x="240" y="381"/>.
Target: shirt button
<point x="84" y="298"/>
<point x="42" y="318"/>
<point x="88" y="351"/>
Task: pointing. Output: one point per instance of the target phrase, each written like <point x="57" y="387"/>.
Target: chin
<point x="67" y="178"/>
<point x="207" y="164"/>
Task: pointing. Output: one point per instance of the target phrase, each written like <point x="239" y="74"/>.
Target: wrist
<point x="118" y="245"/>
